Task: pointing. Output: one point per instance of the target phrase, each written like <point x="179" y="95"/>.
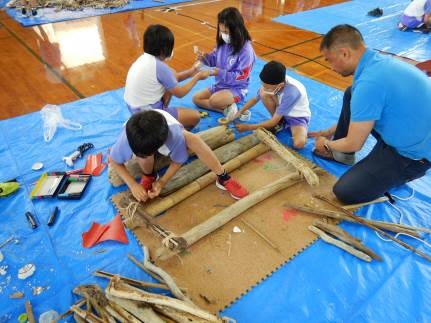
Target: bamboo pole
<point x="269" y="139"/>
<point x="159" y="206"/>
<point x="361" y="221"/>
<point x="195" y="169"/>
<point x="229" y="213"/>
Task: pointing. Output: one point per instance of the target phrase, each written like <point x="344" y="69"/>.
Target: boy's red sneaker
<point x="233" y="187"/>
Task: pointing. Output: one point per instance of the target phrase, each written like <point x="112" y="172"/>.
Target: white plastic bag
<point x="48" y="316"/>
<point x="52" y="118"/>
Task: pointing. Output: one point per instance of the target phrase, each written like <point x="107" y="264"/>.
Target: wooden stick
<point x="344" y="236"/>
<point x="351" y="207"/>
<point x="166" y="203"/>
<point x="29" y="311"/>
<point x="195" y="169"/>
<point x="77" y="318"/>
<point x="143" y="313"/>
<point x="260" y="234"/>
<point x="340" y="244"/>
<point x="165" y="276"/>
<point x="122" y="290"/>
<point x="88" y="317"/>
<point x="231" y="212"/>
<point x="269" y="139"/>
<point x="393" y="227"/>
<point x="141" y="265"/>
<point x="134" y="282"/>
<point x="361" y="221"/>
<point x="69" y="312"/>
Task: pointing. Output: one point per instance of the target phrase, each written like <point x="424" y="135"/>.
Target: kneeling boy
<point x="285" y="99"/>
<point x="156" y="131"/>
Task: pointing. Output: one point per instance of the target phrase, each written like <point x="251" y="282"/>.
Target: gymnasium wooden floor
<point x="66" y="61"/>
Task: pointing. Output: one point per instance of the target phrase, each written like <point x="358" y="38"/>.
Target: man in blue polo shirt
<point x="389" y="99"/>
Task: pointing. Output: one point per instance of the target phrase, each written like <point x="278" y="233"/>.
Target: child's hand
<point x="202" y="75"/>
<point x="199" y="54"/>
<point x="155" y="190"/>
<point x="139" y="192"/>
<point x="241" y="127"/>
<point x="214" y="71"/>
<point x="196" y="66"/>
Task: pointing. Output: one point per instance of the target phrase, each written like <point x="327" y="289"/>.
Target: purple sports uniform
<point x="234" y="69"/>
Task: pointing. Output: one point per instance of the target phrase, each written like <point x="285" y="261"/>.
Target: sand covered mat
<point x="226" y="263"/>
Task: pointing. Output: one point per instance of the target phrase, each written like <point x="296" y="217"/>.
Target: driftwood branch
<point x="141" y="265"/>
<point x="340" y="244"/>
<point x="361" y="221"/>
<point x="141" y="312"/>
<point x="393" y="227"/>
<point x="231" y="212"/>
<point x="269" y="139"/>
<point x="122" y="290"/>
<point x="344" y="236"/>
<point x="134" y="282"/>
<point x="352" y="207"/>
<point x="164" y="277"/>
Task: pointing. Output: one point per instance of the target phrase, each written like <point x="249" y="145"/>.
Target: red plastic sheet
<point x="113" y="230"/>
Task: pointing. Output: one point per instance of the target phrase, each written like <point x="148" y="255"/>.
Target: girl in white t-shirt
<point x="151" y="82"/>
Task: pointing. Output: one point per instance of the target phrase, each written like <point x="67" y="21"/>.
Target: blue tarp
<point x="321" y="284"/>
<point x="379" y="33"/>
<point x="51" y="15"/>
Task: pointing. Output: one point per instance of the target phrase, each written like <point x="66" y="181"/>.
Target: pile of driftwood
<point x="72" y="4"/>
<point x="129" y="300"/>
<point x="336" y="236"/>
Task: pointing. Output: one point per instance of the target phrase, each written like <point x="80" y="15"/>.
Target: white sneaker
<point x="230" y="112"/>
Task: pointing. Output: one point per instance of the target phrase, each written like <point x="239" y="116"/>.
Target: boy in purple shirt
<point x="285" y="99"/>
<point x="232" y="61"/>
<point x="156" y="131"/>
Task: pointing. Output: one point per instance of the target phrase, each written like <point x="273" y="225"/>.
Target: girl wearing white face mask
<point x="231" y="61"/>
<point x="151" y="82"/>
<point x="285" y="99"/>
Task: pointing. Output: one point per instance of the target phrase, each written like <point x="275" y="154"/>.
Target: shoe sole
<point x="225" y="189"/>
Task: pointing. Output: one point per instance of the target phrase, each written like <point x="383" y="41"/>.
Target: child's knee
<point x="195" y="117"/>
<point x="299" y="142"/>
<point x="195" y="98"/>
